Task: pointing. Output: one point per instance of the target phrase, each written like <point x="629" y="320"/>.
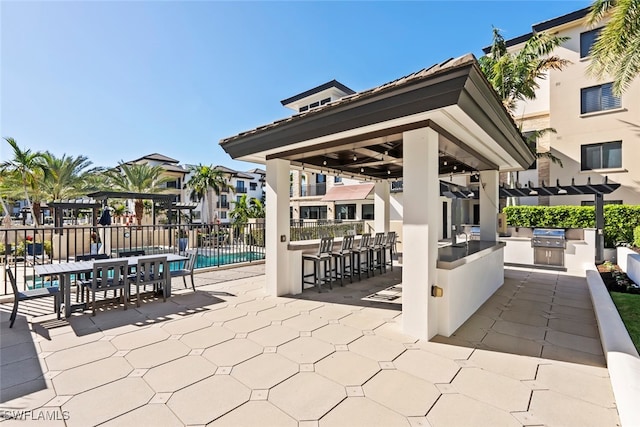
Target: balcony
<point x="223" y="205"/>
<point x="241" y="190"/>
<point x="313" y="190"/>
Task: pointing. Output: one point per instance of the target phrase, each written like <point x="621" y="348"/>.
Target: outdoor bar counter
<point x="468" y="276"/>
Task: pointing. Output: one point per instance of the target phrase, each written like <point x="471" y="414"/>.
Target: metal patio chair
<point x="320" y="259"/>
<point x="187" y="269"/>
<point x="359" y="252"/>
<point x="108" y="275"/>
<point x="340" y="260"/>
<point x="52" y="291"/>
<point x="152" y="271"/>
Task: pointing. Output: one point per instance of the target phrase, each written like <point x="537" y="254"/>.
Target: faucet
<point x="466" y="236"/>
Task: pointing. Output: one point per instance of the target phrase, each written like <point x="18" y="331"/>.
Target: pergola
<point x="165" y="201"/>
<point x="441" y="121"/>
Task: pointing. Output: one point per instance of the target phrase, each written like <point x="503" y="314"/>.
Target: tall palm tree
<point x="27" y="167"/>
<point x="616" y="52"/>
<point x="203" y="180"/>
<point x="514" y="75"/>
<point x="64" y="176"/>
<point x="137" y="178"/>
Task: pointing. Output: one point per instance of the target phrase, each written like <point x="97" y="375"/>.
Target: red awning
<point x="348" y="192"/>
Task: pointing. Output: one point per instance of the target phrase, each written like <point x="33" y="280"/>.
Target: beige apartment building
<point x="598" y="134"/>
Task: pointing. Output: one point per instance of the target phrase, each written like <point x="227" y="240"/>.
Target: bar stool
<point x="322" y="258"/>
<point x="377" y="254"/>
<point x="390" y="245"/>
<point x="358" y="252"/>
<point x="341" y="257"/>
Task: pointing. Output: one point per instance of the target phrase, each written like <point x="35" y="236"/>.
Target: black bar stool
<point x="390" y="245"/>
<point x="322" y="258"/>
<point x="341" y="257"/>
<point x="358" y="252"/>
<point x="377" y="253"/>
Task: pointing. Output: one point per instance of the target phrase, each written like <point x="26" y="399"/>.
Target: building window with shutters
<point x="607" y="155"/>
<point x="598" y="98"/>
<point x="587" y="39"/>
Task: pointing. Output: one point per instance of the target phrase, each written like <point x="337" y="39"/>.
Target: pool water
<point x="204" y="261"/>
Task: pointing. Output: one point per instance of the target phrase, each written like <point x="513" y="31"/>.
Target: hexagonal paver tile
<point x="306" y="350"/>
<point x="397" y="390"/>
<point x="427" y="366"/>
<point x="462" y="411"/>
<point x="180" y="373"/>
<point x="208" y="399"/>
<point x="497" y="390"/>
<point x="149" y="415"/>
<point x="72" y="357"/>
<point x="264" y="371"/>
<point x="207" y="337"/>
<point x="361" y="321"/>
<point x="553" y="408"/>
<point x="106" y="402"/>
<point x="224" y="314"/>
<point x="337" y="334"/>
<point x="377" y="348"/>
<point x="256" y="413"/>
<point x="140" y="338"/>
<point x="577" y="383"/>
<point x="279" y="313"/>
<point x="186" y="325"/>
<point x="273" y="335"/>
<point x="156" y="354"/>
<point x="307" y="396"/>
<point x="362" y="412"/>
<point x="511" y="365"/>
<point x="256" y="305"/>
<point x="347" y="368"/>
<point x="86" y="377"/>
<point x="244" y="325"/>
<point x="69" y="340"/>
<point x="305" y="322"/>
<point x="304" y="305"/>
<point x="232" y="352"/>
<point x="332" y="311"/>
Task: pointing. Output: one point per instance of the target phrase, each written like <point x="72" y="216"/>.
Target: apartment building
<point x="597" y="133"/>
<point x="171" y="169"/>
<point x="317" y="195"/>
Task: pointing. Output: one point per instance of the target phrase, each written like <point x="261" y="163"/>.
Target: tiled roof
<point x="328" y="85"/>
<point x="157" y="157"/>
<point x="425" y="73"/>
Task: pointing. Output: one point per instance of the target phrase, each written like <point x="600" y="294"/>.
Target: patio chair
<point x="152" y="271"/>
<point x="18" y="296"/>
<point x="86" y="276"/>
<point x="377" y="253"/>
<point x="359" y="252"/>
<point x="340" y="260"/>
<point x="187" y="269"/>
<point x="390" y="246"/>
<point x="321" y="259"/>
<point x="108" y="275"/>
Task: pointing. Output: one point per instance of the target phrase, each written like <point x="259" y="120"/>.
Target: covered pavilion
<point x="440" y="121"/>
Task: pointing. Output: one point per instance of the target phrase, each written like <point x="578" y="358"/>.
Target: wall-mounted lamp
<point x="436" y="291"/>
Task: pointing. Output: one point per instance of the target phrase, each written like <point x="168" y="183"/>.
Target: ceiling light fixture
<point x="445" y="163"/>
<point x="361" y="169"/>
<point x="355" y="157"/>
<point x="324" y="163"/>
<point x="386" y="152"/>
<point x="388" y="172"/>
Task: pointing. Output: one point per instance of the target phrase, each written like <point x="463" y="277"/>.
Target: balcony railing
<point x="223" y="205"/>
<point x="241" y="190"/>
<point x="311" y="190"/>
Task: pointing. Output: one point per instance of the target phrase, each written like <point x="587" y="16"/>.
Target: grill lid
<point x="552" y="233"/>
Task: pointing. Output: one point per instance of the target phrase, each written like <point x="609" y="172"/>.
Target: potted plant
<point x="95" y="243"/>
<point x="183" y="238"/>
<point x="33" y="248"/>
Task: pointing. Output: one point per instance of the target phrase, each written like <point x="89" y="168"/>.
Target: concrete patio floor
<point x="228" y="355"/>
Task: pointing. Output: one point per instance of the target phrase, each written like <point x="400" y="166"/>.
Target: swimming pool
<point x="204" y="261"/>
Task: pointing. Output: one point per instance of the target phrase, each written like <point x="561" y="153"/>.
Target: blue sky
<point x="117" y="80"/>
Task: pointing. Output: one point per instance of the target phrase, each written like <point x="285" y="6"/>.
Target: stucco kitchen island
<point x="468" y="276"/>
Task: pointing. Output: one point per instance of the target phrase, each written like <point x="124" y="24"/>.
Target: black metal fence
<point x="220" y="244"/>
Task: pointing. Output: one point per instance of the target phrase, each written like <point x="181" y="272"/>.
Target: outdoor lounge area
<point x="232" y="355"/>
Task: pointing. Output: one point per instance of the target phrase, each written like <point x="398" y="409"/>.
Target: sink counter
<point x="453" y="256"/>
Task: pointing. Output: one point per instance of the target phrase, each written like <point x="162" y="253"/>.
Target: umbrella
<point x="105" y="218"/>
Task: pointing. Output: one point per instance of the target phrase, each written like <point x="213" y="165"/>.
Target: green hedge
<point x="636" y="237"/>
<point x="619" y="220"/>
<point x="319" y="231"/>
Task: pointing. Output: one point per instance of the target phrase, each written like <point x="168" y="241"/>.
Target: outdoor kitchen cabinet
<point x="548" y="256"/>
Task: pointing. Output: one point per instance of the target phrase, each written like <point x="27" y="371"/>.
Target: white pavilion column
<point x="277" y="226"/>
<point x="381" y="207"/>
<point x="421" y="220"/>
<point x="489" y="205"/>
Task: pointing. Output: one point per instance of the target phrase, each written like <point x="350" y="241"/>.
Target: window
<point x="367" y="211"/>
<point x="325" y="101"/>
<point x="587" y="40"/>
<point x="606" y="202"/>
<point x="314" y="104"/>
<point x="313" y="212"/>
<point x="303" y="109"/>
<point x="345" y="211"/>
<point x="238" y="199"/>
<point x="320" y="178"/>
<point x="337" y="179"/>
<point x="607" y="155"/>
<point x="598" y="98"/>
<point x="223" y="215"/>
<point x="253" y="186"/>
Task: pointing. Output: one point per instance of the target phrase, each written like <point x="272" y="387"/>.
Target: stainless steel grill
<point x="548" y="246"/>
<point x="548" y="238"/>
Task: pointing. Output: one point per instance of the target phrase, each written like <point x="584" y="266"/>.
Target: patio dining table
<point x="67" y="269"/>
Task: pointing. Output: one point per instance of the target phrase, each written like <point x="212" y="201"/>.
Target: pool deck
<point x="230" y="355"/>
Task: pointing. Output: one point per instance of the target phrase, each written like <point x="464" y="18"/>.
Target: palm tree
<point x="137" y="178"/>
<point x="256" y="208"/>
<point x="514" y="75"/>
<point x="203" y="180"/>
<point x="64" y="176"/>
<point x="27" y="167"/>
<point x="616" y="52"/>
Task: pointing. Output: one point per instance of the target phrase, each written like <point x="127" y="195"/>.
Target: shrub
<point x="619" y="220"/>
<point x="636" y="237"/>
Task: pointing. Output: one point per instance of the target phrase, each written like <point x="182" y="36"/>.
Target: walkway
<point x="232" y="356"/>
